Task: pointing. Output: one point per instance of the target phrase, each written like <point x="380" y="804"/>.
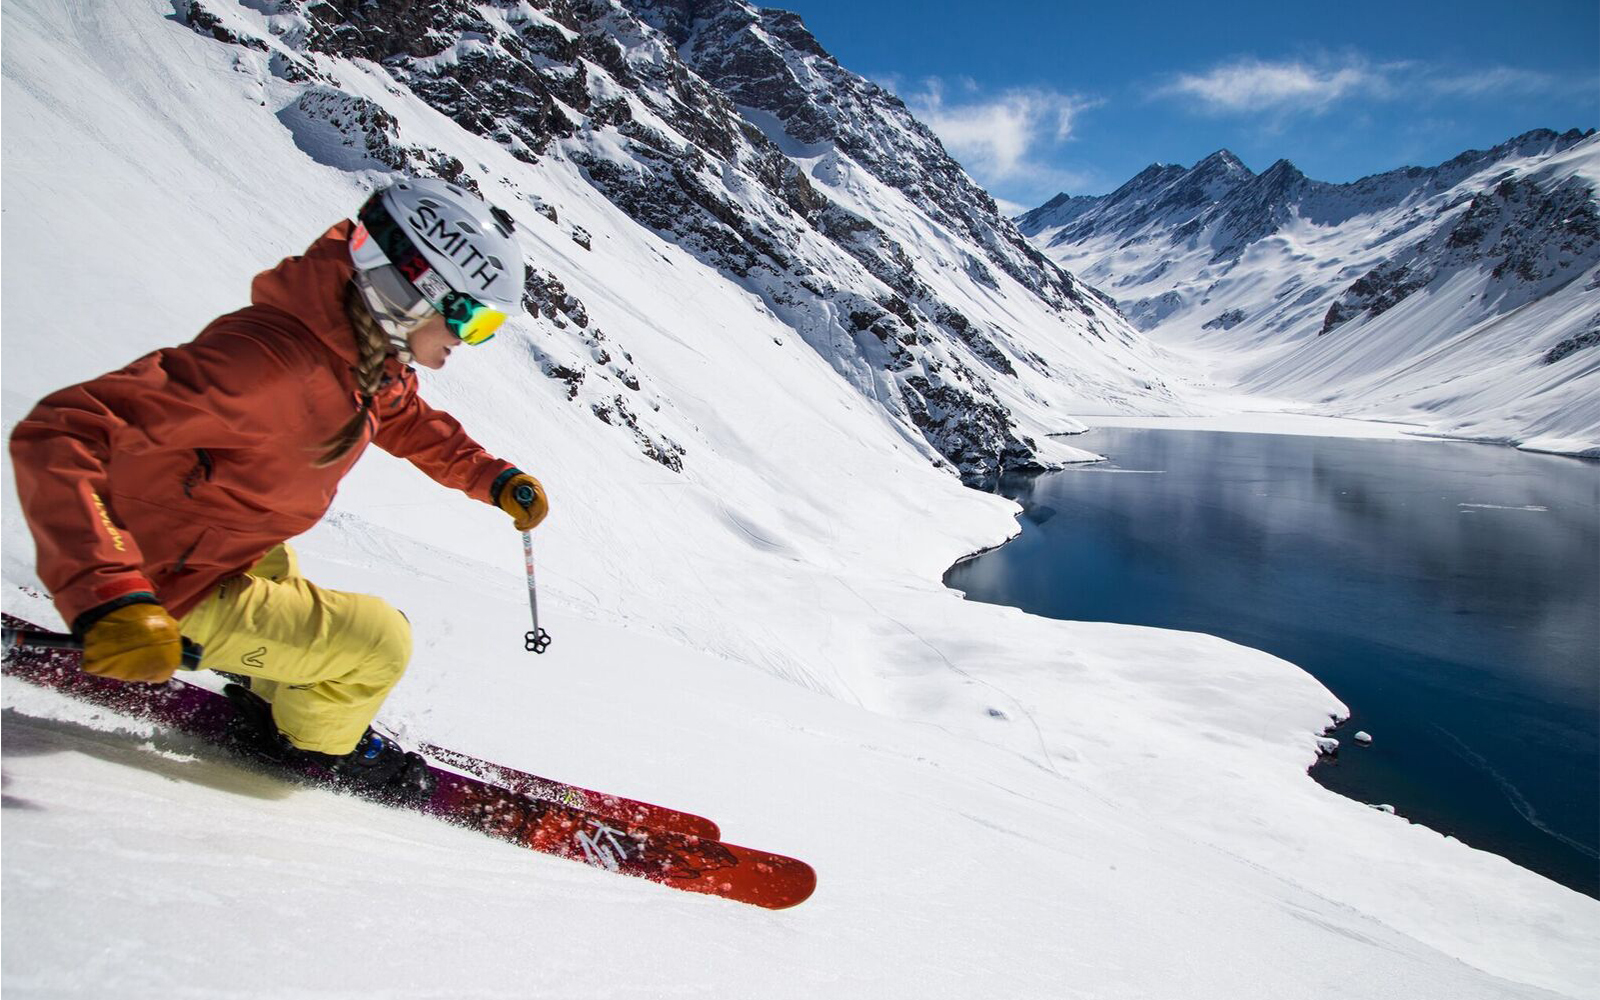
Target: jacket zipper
<point x="203" y="468"/>
<point x="184" y="559"/>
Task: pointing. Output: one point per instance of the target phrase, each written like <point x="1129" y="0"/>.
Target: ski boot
<point x="377" y="766"/>
<point x="251" y="732"/>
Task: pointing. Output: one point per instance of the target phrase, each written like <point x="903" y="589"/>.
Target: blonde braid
<point x="373" y="344"/>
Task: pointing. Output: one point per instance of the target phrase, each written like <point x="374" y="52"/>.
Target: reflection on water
<point x="1448" y="593"/>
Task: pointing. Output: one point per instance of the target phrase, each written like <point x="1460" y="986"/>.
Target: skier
<point x="160" y="496"/>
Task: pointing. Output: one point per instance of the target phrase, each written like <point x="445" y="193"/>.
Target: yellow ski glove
<point x="526" y="515"/>
<point x="138" y="642"/>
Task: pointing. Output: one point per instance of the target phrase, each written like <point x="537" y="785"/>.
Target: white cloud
<point x="1491" y="80"/>
<point x="1249" y="85"/>
<point x="997" y="138"/>
<point x="1252" y="85"/>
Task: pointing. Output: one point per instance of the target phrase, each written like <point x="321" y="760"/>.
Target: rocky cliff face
<point x="727" y="130"/>
<point x="766" y="60"/>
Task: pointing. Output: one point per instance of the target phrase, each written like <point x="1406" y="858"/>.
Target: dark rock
<point x="1530" y="237"/>
<point x="571" y="376"/>
<point x="545" y="209"/>
<point x="204" y="22"/>
<point x="1589" y="338"/>
<point x="543" y="294"/>
<point x="1226" y="320"/>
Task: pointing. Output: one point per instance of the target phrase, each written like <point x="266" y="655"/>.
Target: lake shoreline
<point x="1390" y="762"/>
<point x="1317" y="425"/>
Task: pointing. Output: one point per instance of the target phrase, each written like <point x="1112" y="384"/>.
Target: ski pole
<point x="15" y="638"/>
<point x="538" y="640"/>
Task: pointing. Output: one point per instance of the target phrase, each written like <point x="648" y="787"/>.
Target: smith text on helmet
<point x="454" y="244"/>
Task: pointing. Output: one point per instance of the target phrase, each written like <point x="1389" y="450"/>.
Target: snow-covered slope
<point x="996" y="804"/>
<point x="1462" y="296"/>
<point x="918" y="292"/>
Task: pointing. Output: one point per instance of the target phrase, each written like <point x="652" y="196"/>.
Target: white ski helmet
<point x="428" y="245"/>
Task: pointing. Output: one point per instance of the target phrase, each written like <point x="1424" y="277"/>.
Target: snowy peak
<point x="1184" y="203"/>
<point x="767" y="62"/>
<point x="1537" y="142"/>
<point x="1282" y="175"/>
<point x="787" y="28"/>
<point x="1206" y="183"/>
<point x="1151" y="178"/>
<point x="1159" y="196"/>
<point x="1495" y="246"/>
<point x="684" y="20"/>
<point x="1056" y="213"/>
<point x="1217" y="174"/>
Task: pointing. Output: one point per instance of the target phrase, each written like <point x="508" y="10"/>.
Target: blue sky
<point x="1035" y="98"/>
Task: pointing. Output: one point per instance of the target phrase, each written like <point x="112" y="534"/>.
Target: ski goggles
<point x="471" y="321"/>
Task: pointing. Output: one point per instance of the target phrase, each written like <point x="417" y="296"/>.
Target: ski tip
<point x="801" y="889"/>
<point x="799" y="882"/>
<point x="770" y="881"/>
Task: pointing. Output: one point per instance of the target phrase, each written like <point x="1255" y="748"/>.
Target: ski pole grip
<point x="38" y="639"/>
<point x="523" y="494"/>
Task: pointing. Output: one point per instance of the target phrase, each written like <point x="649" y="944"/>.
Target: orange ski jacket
<point x="191" y="463"/>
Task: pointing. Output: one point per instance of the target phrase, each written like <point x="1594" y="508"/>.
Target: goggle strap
<point x="397" y="246"/>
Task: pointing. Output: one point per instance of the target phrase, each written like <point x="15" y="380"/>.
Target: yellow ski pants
<point x="325" y="659"/>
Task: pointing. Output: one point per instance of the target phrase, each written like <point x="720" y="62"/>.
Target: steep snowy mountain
<point x="741" y="571"/>
<point x="1460" y="296"/>
<point x="730" y="133"/>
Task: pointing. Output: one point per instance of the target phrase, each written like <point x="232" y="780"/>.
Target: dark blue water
<point x="1448" y="593"/>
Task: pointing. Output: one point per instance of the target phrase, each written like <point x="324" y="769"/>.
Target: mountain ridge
<point x="1252" y="269"/>
<point x="1533" y="140"/>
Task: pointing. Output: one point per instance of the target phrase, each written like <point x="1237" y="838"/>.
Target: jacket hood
<point x="311" y="289"/>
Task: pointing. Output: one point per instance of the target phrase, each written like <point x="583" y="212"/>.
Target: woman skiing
<point x="160" y="496"/>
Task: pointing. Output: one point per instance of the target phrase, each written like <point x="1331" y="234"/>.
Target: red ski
<point x="630" y="811"/>
<point x="616" y="841"/>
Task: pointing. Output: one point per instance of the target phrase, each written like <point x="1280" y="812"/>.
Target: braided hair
<point x="373" y="345"/>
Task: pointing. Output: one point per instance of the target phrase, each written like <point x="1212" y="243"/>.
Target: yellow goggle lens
<point x="481" y="326"/>
<point x="470" y="320"/>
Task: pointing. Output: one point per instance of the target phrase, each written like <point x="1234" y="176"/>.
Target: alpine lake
<point x="1447" y="592"/>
